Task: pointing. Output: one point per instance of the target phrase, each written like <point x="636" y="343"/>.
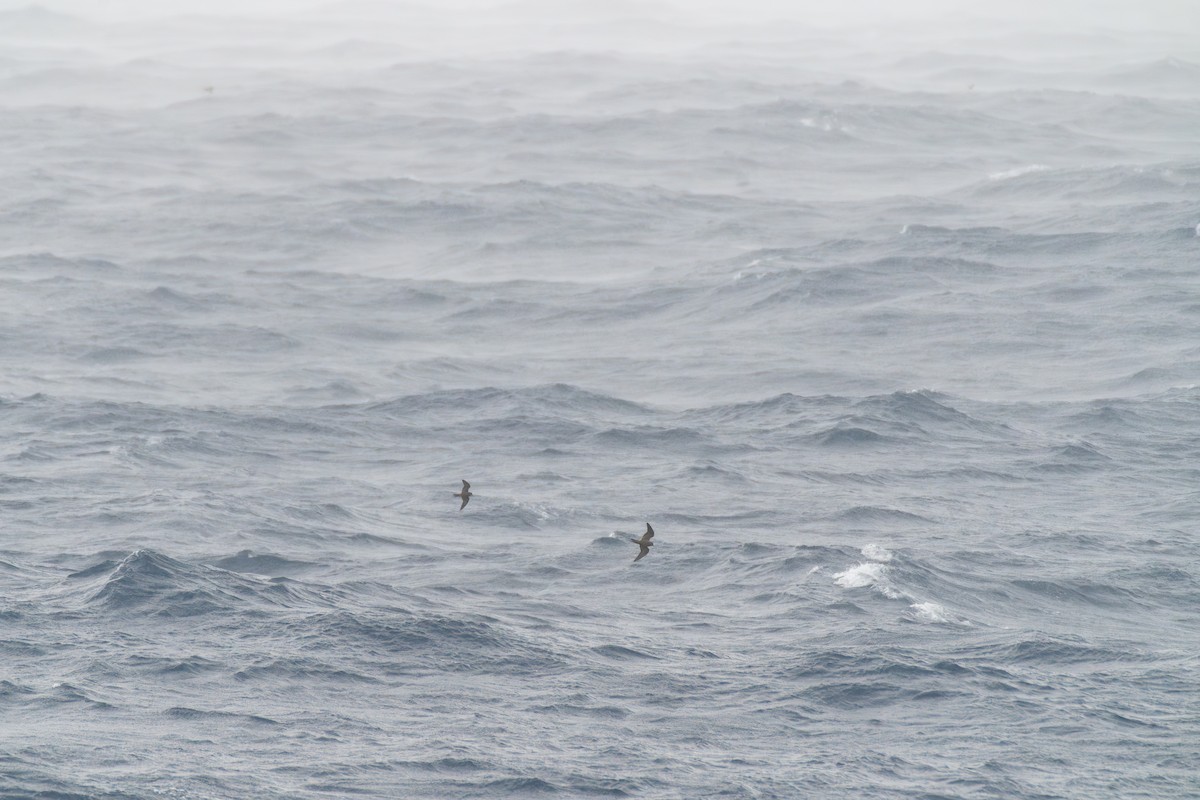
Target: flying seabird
<point x="465" y="494"/>
<point x="644" y="542"/>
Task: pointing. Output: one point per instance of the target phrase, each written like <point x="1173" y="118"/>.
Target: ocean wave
<point x="927" y="411"/>
<point x="1044" y="649"/>
<point x="48" y="263"/>
<point x="111" y="355"/>
<point x="897" y="578"/>
<point x="558" y="397"/>
<point x="896" y="683"/>
<point x="271" y="671"/>
<point x="866" y="662"/>
<point x="1125" y="183"/>
<point x="8" y="689"/>
<point x="1075" y="457"/>
<point x="616" y="652"/>
<point x="878" y="420"/>
<point x="929" y="612"/>
<point x="779" y="409"/>
<point x="852" y="436"/>
<point x="874" y="514"/>
<point x="180" y="667"/>
<point x="263" y="564"/>
<point x="219" y="717"/>
<point x="651" y="436"/>
<point x="406" y="642"/>
<point x="69" y="693"/>
<point x="872" y="575"/>
<point x="708" y="470"/>
<point x="148" y="582"/>
<point x="1082" y="592"/>
<point x="781" y="288"/>
<point x="1017" y="172"/>
<point x="179" y="300"/>
<point x="1172" y="75"/>
<point x="995" y="241"/>
<point x="528" y="515"/>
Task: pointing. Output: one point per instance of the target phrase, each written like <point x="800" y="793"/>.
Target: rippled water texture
<point x="893" y="341"/>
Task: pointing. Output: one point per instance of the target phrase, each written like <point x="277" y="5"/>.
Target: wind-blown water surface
<point x="893" y="340"/>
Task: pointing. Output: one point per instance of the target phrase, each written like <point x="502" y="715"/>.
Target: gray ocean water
<point x="890" y="334"/>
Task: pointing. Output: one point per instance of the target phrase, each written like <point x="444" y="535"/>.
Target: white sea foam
<point x="877" y="553"/>
<point x="871" y="574"/>
<point x="934" y="613"/>
<point x="859" y="576"/>
<point x="1009" y="174"/>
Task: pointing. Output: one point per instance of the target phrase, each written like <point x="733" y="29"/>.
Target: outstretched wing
<point x="466" y="499"/>
<point x="466" y="486"/>
<point x="642" y="554"/>
<point x="648" y="535"/>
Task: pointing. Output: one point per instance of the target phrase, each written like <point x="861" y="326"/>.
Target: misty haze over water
<point x="884" y="316"/>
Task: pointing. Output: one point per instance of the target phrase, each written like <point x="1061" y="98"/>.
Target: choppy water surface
<point x="895" y="347"/>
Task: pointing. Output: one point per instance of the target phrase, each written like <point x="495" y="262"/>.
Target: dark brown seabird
<point x="644" y="542"/>
<point x="465" y="494"/>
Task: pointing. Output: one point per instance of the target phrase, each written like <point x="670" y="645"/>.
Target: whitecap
<point x="935" y="614"/>
<point x="1004" y="175"/>
<point x="858" y="577"/>
<point x="877" y="553"/>
<point x="871" y="575"/>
